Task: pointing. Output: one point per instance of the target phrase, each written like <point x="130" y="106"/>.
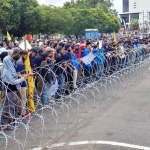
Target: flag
<point x="23" y="46"/>
<point x="54" y="88"/>
<point x="30" y="81"/>
<point x="8" y="36"/>
<point x="124" y="24"/>
<point x="88" y="59"/>
<point x="115" y="38"/>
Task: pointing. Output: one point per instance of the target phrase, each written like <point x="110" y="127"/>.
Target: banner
<point x="8" y="36"/>
<point x="88" y="59"/>
<point x="23" y="47"/>
<point x="30" y="80"/>
<point x="54" y="88"/>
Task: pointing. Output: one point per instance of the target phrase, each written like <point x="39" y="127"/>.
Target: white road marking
<point x="39" y="148"/>
<point x="96" y="142"/>
<point x="56" y="145"/>
<point x="109" y="143"/>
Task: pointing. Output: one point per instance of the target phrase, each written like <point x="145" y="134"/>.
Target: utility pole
<point x="147" y="21"/>
<point x="143" y="21"/>
<point x="146" y="24"/>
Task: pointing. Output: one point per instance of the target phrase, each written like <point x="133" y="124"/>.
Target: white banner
<point x="54" y="88"/>
<point x="88" y="59"/>
<point x="22" y="45"/>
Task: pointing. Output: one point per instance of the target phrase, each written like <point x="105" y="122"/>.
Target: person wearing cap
<point x="47" y="75"/>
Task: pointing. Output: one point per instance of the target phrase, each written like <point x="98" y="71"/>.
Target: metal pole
<point x="143" y="21"/>
<point x="147" y="21"/>
<point x="25" y="45"/>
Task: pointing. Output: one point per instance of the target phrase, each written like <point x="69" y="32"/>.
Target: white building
<point x="133" y="9"/>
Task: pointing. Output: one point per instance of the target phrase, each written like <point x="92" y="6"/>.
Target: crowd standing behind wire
<point x="59" y="61"/>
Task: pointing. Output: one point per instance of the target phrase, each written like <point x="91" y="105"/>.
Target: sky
<point x="52" y="2"/>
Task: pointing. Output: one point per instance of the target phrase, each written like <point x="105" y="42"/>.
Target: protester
<point x="87" y="67"/>
<point x="75" y="66"/>
<point x="9" y="45"/>
<point x="82" y="62"/>
<point x="2" y="124"/>
<point x="48" y="79"/>
<point x="20" y="68"/>
<point x="60" y="70"/>
<point x="12" y="82"/>
<point x="38" y="58"/>
<point x="33" y="53"/>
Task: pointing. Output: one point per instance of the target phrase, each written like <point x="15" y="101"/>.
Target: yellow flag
<point x="30" y="81"/>
<point x="115" y="38"/>
<point x="8" y="36"/>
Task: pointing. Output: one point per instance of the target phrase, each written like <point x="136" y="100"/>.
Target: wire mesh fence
<point x="71" y="96"/>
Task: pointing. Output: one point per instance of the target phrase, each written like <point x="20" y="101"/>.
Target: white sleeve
<point x="18" y="81"/>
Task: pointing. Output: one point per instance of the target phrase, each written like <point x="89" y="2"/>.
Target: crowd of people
<point x="65" y="64"/>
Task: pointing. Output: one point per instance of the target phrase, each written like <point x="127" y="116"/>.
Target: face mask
<point x="16" y="57"/>
<point x="77" y="49"/>
<point x="23" y="59"/>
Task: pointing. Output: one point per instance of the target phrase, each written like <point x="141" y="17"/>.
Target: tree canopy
<point x="105" y="5"/>
<point x="134" y="25"/>
<point x="22" y="17"/>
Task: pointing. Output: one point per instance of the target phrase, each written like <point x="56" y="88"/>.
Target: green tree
<point x="105" y="5"/>
<point x="93" y="18"/>
<point x="82" y="19"/>
<point x="6" y="10"/>
<point x="21" y="17"/>
<point x="134" y="24"/>
<point x="17" y="16"/>
<point x="114" y="12"/>
<point x="54" y="20"/>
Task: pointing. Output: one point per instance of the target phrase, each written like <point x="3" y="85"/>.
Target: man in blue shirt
<point x="33" y="53"/>
<point x="20" y="68"/>
<point x="98" y="63"/>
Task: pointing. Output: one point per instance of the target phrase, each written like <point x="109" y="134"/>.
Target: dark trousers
<point x="13" y="105"/>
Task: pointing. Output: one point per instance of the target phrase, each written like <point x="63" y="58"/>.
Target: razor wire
<point x="101" y="83"/>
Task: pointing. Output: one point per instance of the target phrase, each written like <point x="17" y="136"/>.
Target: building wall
<point x="143" y="8"/>
<point x="138" y="5"/>
<point x="139" y="9"/>
<point x="117" y="5"/>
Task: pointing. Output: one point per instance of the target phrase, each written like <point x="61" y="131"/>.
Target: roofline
<point x="127" y="13"/>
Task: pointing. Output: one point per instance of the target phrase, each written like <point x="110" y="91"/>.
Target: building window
<point x="125" y="5"/>
<point x="125" y="17"/>
<point x="134" y="5"/>
<point x="134" y="16"/>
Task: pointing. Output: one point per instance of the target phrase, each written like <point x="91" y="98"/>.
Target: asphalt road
<point x="95" y="118"/>
<point x="121" y="123"/>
